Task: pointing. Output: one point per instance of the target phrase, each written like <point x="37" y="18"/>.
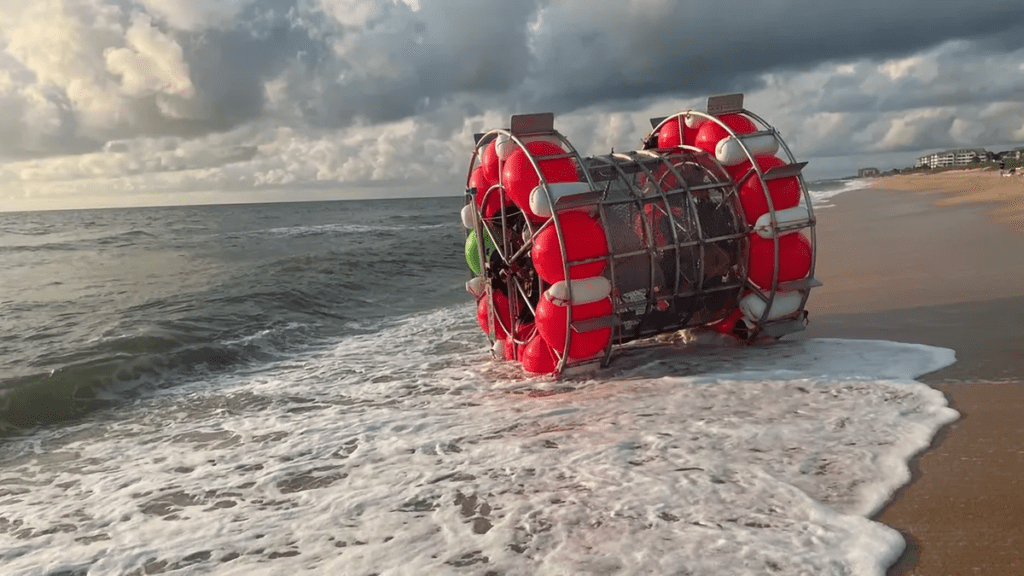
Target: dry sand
<point x="1003" y="194"/>
<point x="935" y="269"/>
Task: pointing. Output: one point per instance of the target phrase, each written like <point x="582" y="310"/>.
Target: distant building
<point x="958" y="157"/>
<point x="967" y="156"/>
<point x="867" y="172"/>
<point x="1016" y="154"/>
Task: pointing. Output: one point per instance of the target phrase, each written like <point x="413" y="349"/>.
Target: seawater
<point x="302" y="388"/>
<point x="95" y="304"/>
<point x="822" y="191"/>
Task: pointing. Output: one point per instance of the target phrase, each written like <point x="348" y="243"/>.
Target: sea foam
<point x="822" y="191"/>
<point x="408" y="451"/>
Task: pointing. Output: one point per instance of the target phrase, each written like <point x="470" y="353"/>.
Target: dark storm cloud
<point x="620" y="52"/>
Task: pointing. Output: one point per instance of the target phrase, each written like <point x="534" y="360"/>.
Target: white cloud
<point x="918" y="66"/>
<point x="192" y="15"/>
<point x="904" y="131"/>
<point x="846" y="69"/>
<point x="245" y="95"/>
<point x="151" y="63"/>
<point x="357" y="12"/>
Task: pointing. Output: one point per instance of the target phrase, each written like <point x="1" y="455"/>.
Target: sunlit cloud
<point x="249" y="96"/>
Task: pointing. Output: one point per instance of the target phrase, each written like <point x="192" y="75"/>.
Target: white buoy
<point x="584" y="291"/>
<point x="784" y="304"/>
<point x="693" y="121"/>
<point x="469" y="216"/>
<point x="499" y="349"/>
<point x="784" y="218"/>
<point x="475" y="286"/>
<point x="729" y="150"/>
<point x="539" y="200"/>
<point x="504" y="145"/>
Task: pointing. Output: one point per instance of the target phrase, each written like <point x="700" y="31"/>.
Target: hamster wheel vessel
<point x="709" y="224"/>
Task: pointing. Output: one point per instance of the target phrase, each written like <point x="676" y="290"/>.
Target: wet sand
<point x="934" y="269"/>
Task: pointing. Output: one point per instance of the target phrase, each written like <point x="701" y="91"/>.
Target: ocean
<point x="303" y="388"/>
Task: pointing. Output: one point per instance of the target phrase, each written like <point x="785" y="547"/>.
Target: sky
<point x="153" y="102"/>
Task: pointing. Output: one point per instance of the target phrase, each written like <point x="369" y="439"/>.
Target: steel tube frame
<point x="620" y="169"/>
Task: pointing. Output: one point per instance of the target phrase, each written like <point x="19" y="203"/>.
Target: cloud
<point x="592" y="51"/>
<point x="180" y="67"/>
<point x="252" y="94"/>
<point x="150" y="64"/>
<point x="191" y="15"/>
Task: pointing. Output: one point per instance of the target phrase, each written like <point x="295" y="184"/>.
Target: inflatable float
<point x="709" y="225"/>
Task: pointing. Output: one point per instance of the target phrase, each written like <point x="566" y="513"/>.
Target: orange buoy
<point x="794" y="259"/>
<point x="584" y="239"/>
<point x="785" y="192"/>
<point x="710" y="132"/>
<point x="519" y="177"/>
<point x="502" y="315"/>
<point x="538" y="357"/>
<point x="551" y="325"/>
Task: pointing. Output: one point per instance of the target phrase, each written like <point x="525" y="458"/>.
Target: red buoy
<point x="794" y="258"/>
<point x="502" y="317"/>
<point x="711" y="132"/>
<point x="538" y="357"/>
<point x="489" y="162"/>
<point x="493" y="199"/>
<point x="519" y="177"/>
<point x="728" y="324"/>
<point x="584" y="239"/>
<point x="785" y="192"/>
<point x="551" y="325"/>
<point x="669" y="136"/>
<point x="523" y="333"/>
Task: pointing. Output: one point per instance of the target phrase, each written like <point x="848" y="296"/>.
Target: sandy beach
<point x="938" y="260"/>
<point x="1003" y="194"/>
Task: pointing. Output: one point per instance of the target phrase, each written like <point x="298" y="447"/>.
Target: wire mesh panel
<point x="676" y="241"/>
<point x="574" y="255"/>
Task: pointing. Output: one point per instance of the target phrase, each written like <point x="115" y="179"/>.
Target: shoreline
<point x="918" y="259"/>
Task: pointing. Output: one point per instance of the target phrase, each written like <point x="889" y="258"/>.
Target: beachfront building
<point x="937" y="160"/>
<point x="1016" y="154"/>
<point x="967" y="156"/>
<point x="867" y="172"/>
<point x="959" y="157"/>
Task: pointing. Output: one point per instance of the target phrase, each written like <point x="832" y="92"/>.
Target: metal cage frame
<point x="505" y="231"/>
